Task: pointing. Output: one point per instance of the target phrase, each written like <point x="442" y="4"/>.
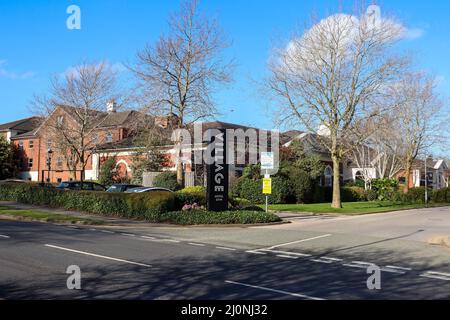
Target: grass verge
<point x="348" y="208"/>
<point x="34" y="215"/>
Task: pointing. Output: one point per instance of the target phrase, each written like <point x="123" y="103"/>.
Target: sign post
<point x="267" y="163"/>
<point x="217" y="173"/>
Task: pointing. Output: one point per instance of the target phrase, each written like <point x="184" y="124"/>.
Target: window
<point x="109" y="137"/>
<point x="59" y="162"/>
<point x="60" y="120"/>
<point x="95" y="138"/>
<point x="49" y="143"/>
<point x="30" y="163"/>
<point x="31" y="144"/>
<point x="59" y="180"/>
<point x="328" y="176"/>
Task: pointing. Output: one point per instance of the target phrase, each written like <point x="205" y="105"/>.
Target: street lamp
<point x="49" y="163"/>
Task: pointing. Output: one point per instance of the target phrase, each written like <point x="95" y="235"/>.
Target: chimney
<point x="111" y="106"/>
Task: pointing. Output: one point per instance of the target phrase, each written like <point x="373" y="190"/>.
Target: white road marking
<point x="92" y="229"/>
<point x="106" y="231"/>
<point x="298" y="241"/>
<point x="196" y="244"/>
<point x="322" y="261"/>
<point x="98" y="256"/>
<point x="399" y="268"/>
<point x="128" y="234"/>
<point x="255" y="252"/>
<point x="3" y="236"/>
<point x="226" y="248"/>
<point x="166" y="240"/>
<point x="286" y="252"/>
<point x="363" y="263"/>
<point x="149" y="238"/>
<point x="355" y="265"/>
<point x="288" y="257"/>
<point x="274" y="290"/>
<point x="434" y="277"/>
<point x="392" y="270"/>
<point x="332" y="259"/>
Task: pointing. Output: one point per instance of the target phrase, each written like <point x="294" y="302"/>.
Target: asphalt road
<point x="316" y="259"/>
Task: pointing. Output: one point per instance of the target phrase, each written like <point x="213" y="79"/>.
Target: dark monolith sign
<point x="217" y="171"/>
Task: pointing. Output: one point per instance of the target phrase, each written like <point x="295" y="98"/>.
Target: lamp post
<point x="49" y="163"/>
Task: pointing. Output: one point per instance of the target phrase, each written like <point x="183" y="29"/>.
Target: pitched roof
<point x="23" y="125"/>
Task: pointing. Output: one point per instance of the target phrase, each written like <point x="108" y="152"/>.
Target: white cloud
<point x="5" y="73"/>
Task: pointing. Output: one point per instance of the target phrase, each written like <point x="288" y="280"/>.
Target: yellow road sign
<point x="267" y="186"/>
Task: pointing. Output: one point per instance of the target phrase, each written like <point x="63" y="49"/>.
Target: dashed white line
<point x="436" y="275"/>
<point x="106" y="231"/>
<point x="286" y="252"/>
<point x="274" y="290"/>
<point x="299" y="241"/>
<point x="3" y="236"/>
<point x="226" y="248"/>
<point x="147" y="237"/>
<point x="166" y="240"/>
<point x="287" y="257"/>
<point x="385" y="269"/>
<point x="196" y="244"/>
<point x="98" y="256"/>
<point x="128" y="234"/>
<point x="399" y="268"/>
<point x="322" y="261"/>
<point x="255" y="252"/>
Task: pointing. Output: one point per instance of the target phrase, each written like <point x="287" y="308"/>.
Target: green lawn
<point x="45" y="216"/>
<point x="349" y="208"/>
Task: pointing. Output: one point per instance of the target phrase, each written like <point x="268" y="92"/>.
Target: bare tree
<point x="330" y="75"/>
<point x="74" y="109"/>
<point x="418" y="115"/>
<point x="179" y="74"/>
<point x="380" y="153"/>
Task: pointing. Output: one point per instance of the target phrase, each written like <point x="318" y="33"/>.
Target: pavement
<point x="311" y="258"/>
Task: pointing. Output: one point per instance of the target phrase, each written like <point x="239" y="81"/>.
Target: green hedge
<point x="183" y="197"/>
<point x="195" y="217"/>
<point x="251" y="190"/>
<point x="441" y="196"/>
<point x="135" y="206"/>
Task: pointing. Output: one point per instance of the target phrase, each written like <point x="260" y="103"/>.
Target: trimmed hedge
<point x="196" y="217"/>
<point x="441" y="196"/>
<point x="183" y="198"/>
<point x="251" y="190"/>
<point x="166" y="180"/>
<point x="133" y="206"/>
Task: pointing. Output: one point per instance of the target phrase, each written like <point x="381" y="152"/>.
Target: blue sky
<point x="35" y="43"/>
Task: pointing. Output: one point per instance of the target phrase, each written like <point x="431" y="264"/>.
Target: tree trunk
<point x="180" y="171"/>
<point x="407" y="176"/>
<point x="336" y="184"/>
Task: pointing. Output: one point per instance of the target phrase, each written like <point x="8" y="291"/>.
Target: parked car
<point x="9" y="181"/>
<point x="121" y="187"/>
<point x="148" y="189"/>
<point x="78" y="185"/>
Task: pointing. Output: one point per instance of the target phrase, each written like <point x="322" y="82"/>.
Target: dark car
<point x="149" y="189"/>
<point x="78" y="185"/>
<point x="120" y="187"/>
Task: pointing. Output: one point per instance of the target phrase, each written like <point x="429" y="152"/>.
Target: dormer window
<point x="31" y="144"/>
<point x="60" y="121"/>
<point x="109" y="137"/>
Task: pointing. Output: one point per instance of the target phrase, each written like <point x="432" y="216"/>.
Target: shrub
<point x="166" y="180"/>
<point x="183" y="198"/>
<point x="371" y="195"/>
<point x="135" y="206"/>
<point x="441" y="196"/>
<point x="251" y="190"/>
<point x="353" y="194"/>
<point x="385" y="188"/>
<point x="301" y="185"/>
<point x="195" y="217"/>
<point x="253" y="208"/>
<point x="108" y="175"/>
<point x="417" y="195"/>
<point x="193" y="189"/>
